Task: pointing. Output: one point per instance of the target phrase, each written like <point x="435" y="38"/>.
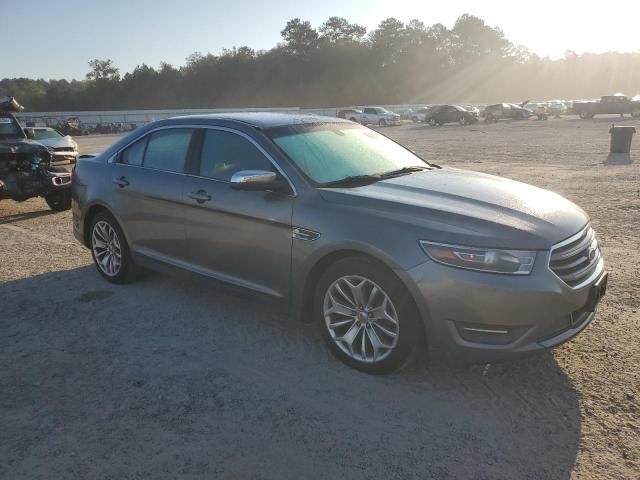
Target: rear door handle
<point x="121" y="182"/>
<point x="200" y="196"/>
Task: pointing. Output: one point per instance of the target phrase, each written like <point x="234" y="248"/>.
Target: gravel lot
<point x="176" y="377"/>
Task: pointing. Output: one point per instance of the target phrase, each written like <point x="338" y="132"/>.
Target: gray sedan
<point x="386" y="252"/>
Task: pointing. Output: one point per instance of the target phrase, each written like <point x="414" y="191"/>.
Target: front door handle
<point x="200" y="196"/>
<point x="121" y="182"/>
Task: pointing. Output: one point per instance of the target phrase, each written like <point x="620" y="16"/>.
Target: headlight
<point x="515" y="262"/>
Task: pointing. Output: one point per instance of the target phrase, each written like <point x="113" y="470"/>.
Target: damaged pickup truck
<point x="25" y="165"/>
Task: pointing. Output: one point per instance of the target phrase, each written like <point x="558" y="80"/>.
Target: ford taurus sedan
<point x="387" y="252"/>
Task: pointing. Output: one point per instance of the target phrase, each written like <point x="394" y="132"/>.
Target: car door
<point x="369" y="115"/>
<point x="147" y="180"/>
<point x="238" y="236"/>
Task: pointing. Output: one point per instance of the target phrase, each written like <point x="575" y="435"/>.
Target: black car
<point x="441" y="114"/>
<point x="25" y="165"/>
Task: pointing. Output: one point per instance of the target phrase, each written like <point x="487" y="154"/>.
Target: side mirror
<point x="255" y="180"/>
<point x="29" y="133"/>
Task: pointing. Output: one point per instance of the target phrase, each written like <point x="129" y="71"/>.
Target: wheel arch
<point x="90" y="214"/>
<point x="303" y="299"/>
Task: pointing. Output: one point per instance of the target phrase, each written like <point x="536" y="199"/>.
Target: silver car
<point x="387" y="252"/>
<point x="65" y="148"/>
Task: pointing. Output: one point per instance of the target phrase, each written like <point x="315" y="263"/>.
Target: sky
<point x="51" y="40"/>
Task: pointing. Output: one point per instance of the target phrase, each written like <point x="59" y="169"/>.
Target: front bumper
<point x="484" y="317"/>
<point x="64" y="158"/>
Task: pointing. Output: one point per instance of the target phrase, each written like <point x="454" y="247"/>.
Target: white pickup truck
<point x="375" y="116"/>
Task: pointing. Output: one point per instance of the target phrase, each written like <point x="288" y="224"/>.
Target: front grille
<point x="63" y="149"/>
<point x="576" y="259"/>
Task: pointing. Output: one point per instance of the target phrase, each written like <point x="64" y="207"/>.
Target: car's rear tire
<point x="367" y="316"/>
<point x="59" y="200"/>
<point x="432" y="122"/>
<point x="110" y="250"/>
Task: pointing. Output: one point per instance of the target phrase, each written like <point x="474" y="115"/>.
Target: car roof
<point x="262" y="120"/>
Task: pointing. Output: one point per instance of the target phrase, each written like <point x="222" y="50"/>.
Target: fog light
<point x="489" y="334"/>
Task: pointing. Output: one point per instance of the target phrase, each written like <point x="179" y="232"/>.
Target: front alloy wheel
<point x="361" y="319"/>
<point x="367" y="316"/>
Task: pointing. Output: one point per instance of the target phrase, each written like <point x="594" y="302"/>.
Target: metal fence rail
<point x="140" y="117"/>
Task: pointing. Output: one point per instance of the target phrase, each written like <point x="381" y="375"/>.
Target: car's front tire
<point x="110" y="250"/>
<point x="59" y="200"/>
<point x="367" y="317"/>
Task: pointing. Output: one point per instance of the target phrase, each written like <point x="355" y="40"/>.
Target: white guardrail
<point x="140" y="117"/>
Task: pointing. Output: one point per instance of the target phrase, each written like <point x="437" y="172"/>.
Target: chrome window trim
<point x="112" y="159"/>
<point x="599" y="266"/>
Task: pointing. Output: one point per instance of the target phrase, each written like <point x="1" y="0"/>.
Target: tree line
<point x="341" y="64"/>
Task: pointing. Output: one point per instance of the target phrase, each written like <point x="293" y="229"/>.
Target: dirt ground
<point x="174" y="377"/>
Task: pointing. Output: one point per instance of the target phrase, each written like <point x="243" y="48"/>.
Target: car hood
<point x="20" y="146"/>
<point x="467" y="208"/>
<point x="57" y="142"/>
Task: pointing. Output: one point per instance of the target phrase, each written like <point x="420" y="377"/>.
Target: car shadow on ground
<point x="16" y="217"/>
<point x="172" y="376"/>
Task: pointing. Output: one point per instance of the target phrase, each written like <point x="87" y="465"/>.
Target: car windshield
<point x="9" y="128"/>
<point x="328" y="153"/>
<point x="41" y="134"/>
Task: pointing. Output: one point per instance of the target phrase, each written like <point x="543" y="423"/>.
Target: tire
<point x="635" y="113"/>
<point x="391" y="352"/>
<point x="382" y="122"/>
<point x="122" y="273"/>
<point x="462" y="121"/>
<point x="432" y="122"/>
<point x="59" y="200"/>
<point x="585" y="115"/>
<point x="415" y="119"/>
<point x="353" y="119"/>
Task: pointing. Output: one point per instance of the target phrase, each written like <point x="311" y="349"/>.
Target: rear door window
<point x="134" y="154"/>
<point x="167" y="149"/>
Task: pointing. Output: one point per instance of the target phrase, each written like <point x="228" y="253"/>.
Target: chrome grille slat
<point x="573" y="248"/>
<point x="583" y="272"/>
<point x="570" y="261"/>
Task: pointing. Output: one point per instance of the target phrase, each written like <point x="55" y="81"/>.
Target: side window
<point x="133" y="154"/>
<point x="167" y="149"/>
<point x="225" y="153"/>
<point x="369" y="110"/>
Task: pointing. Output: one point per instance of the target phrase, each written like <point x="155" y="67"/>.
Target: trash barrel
<point x="621" y="138"/>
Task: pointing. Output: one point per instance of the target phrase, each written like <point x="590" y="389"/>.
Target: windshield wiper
<point x="402" y="171"/>
<point x="353" y="181"/>
<point x="357" y="180"/>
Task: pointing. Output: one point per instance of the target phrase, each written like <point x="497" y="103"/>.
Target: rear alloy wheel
<point x="368" y="320"/>
<point x="110" y="250"/>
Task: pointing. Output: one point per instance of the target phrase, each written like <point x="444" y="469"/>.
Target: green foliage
<point x="340" y="65"/>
